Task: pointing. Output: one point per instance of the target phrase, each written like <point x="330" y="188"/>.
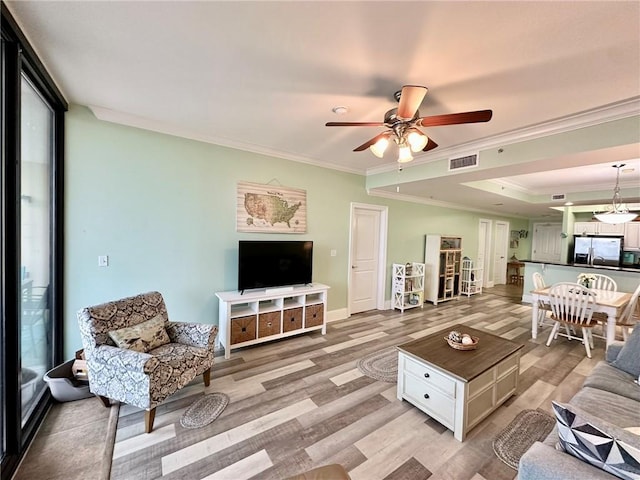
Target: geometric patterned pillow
<point x="584" y="437"/>
<point x="142" y="337"/>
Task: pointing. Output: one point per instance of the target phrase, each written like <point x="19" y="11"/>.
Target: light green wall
<point x="163" y="209"/>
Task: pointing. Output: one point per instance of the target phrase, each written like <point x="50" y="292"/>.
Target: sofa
<point x="609" y="401"/>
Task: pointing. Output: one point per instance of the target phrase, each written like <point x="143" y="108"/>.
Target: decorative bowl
<point x="462" y="346"/>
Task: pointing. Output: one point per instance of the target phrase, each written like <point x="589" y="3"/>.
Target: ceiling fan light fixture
<point x="617" y="212"/>
<point x="404" y="154"/>
<point x="417" y="141"/>
<point x="379" y="147"/>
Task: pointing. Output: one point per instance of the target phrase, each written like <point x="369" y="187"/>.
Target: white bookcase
<point x="258" y="316"/>
<point x="407" y="289"/>
<point x="471" y="278"/>
<point x="443" y="264"/>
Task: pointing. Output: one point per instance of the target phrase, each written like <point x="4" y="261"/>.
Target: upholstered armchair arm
<point x="124" y="360"/>
<point x="613" y="350"/>
<point x="200" y="335"/>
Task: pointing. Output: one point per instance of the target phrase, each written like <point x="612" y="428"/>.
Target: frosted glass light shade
<point x="379" y="147"/>
<point x="615" y="217"/>
<point x="417" y="141"/>
<point x="404" y="154"/>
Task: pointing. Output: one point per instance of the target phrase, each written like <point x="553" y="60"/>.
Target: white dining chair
<point x="631" y="315"/>
<point x="572" y="306"/>
<point x="604" y="282"/>
<point x="543" y="307"/>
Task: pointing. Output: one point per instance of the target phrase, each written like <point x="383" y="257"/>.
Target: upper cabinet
<point x="598" y="228"/>
<point x="632" y="235"/>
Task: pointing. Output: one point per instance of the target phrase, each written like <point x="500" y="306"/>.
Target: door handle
<point x="353" y="266"/>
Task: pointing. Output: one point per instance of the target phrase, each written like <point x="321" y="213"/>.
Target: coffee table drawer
<point x="429" y="399"/>
<point x="430" y="376"/>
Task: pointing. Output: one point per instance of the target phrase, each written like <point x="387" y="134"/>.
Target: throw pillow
<point x="142" y="337"/>
<point x="597" y="442"/>
<point x="629" y="357"/>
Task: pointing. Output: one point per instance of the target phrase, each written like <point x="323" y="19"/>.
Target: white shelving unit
<point x="258" y="316"/>
<point x="471" y="278"/>
<point x="443" y="263"/>
<point x="408" y="286"/>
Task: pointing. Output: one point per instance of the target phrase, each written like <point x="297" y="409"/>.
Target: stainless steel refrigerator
<point x="597" y="250"/>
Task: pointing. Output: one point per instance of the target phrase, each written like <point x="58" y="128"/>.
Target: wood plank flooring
<point x="301" y="402"/>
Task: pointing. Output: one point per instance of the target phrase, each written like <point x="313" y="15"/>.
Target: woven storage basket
<point x="461" y="346"/>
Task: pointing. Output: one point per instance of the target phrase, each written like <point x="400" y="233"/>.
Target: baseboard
<point x="334" y="315"/>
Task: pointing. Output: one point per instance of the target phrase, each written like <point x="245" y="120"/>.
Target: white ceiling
<point x="264" y="76"/>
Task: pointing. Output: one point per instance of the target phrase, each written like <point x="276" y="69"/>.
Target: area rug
<point x="525" y="429"/>
<point x="382" y="365"/>
<point x="204" y="410"/>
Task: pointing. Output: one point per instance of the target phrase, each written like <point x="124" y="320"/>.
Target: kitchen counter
<point x="627" y="278"/>
<point x="624" y="268"/>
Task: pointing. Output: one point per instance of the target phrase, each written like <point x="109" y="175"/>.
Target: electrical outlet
<point x="103" y="260"/>
<point x="334" y="253"/>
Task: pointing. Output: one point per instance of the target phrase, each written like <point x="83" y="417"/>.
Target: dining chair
<point x="572" y="306"/>
<point x="631" y="315"/>
<point x="604" y="282"/>
<point x="543" y="307"/>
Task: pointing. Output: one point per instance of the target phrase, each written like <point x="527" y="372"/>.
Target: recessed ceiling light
<point x="340" y="110"/>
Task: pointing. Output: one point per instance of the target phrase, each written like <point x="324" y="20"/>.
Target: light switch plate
<point x="103" y="260"/>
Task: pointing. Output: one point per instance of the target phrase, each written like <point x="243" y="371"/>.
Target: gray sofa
<point x="611" y="396"/>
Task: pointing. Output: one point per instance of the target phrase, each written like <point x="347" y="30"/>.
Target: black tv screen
<point x="263" y="264"/>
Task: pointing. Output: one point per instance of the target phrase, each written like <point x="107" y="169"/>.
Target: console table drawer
<point x="429" y="399"/>
<point x="314" y="315"/>
<point x="430" y="376"/>
<point x="243" y="329"/>
<point x="268" y="324"/>
<point x="292" y="319"/>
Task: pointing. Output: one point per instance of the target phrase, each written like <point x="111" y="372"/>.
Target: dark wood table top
<point x="463" y="364"/>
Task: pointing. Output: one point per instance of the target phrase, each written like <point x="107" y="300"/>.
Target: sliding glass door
<point x="31" y="240"/>
<point x="36" y="356"/>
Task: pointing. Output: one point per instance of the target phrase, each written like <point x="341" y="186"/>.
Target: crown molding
<point x="144" y="123"/>
<point x="607" y="113"/>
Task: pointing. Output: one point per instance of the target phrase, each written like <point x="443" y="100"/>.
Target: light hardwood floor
<point x="301" y="402"/>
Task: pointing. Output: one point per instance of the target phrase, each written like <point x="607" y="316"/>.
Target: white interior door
<point x="500" y="253"/>
<point x="366" y="279"/>
<point x="484" y="249"/>
<point x="546" y="242"/>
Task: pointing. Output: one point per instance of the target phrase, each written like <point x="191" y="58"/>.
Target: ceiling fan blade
<point x="354" y="124"/>
<point x="410" y="99"/>
<point x="430" y="145"/>
<point x="368" y="143"/>
<point x="456" y="118"/>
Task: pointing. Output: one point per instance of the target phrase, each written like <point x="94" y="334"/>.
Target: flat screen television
<point x="264" y="264"/>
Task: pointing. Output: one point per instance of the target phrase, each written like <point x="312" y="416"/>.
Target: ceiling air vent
<point x="558" y="197"/>
<point x="463" y="162"/>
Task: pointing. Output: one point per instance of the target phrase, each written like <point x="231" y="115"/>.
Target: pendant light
<point x="617" y="212"/>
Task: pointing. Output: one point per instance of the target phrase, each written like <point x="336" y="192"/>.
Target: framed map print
<point x="270" y="209"/>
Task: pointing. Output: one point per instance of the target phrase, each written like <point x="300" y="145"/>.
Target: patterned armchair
<point x="159" y="357"/>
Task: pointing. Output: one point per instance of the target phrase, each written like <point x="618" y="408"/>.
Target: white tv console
<point x="258" y="316"/>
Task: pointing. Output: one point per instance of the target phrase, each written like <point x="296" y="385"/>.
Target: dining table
<point x="609" y="302"/>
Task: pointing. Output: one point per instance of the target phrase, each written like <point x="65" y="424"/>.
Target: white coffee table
<point x="458" y="388"/>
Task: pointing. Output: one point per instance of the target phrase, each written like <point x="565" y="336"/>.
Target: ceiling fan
<point x="402" y="123"/>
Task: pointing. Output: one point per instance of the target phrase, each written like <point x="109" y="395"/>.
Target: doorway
<point x="484" y="250"/>
<point x="367" y="257"/>
<point x="546" y="242"/>
<point x="501" y="253"/>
